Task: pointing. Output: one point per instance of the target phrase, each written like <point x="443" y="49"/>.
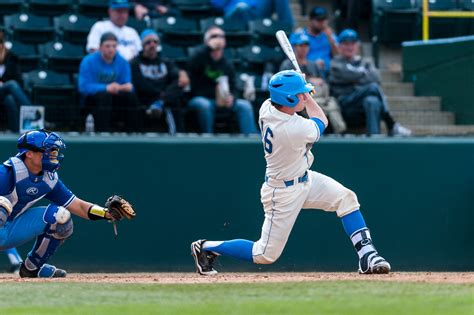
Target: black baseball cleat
<point x="203" y="259"/>
<point x="46" y="271"/>
<point x="373" y="263"/>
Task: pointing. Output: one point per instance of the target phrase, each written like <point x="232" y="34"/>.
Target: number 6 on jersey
<point x="268" y="145"/>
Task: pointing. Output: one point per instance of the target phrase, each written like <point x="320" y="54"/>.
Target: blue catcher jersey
<point x="24" y="189"/>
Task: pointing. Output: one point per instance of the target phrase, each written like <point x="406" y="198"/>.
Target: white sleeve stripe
<point x="69" y="201"/>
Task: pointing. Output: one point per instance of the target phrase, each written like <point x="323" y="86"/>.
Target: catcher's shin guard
<point x="203" y="259"/>
<point x="370" y="262"/>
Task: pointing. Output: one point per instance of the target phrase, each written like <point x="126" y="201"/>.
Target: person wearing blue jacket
<point x="105" y="84"/>
<point x="255" y="9"/>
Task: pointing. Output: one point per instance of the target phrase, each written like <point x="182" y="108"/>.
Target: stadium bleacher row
<point x="49" y="38"/>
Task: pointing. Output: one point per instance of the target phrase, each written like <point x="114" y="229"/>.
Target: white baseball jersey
<point x="129" y="43"/>
<point x="287" y="141"/>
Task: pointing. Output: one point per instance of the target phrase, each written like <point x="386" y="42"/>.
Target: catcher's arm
<point x="82" y="209"/>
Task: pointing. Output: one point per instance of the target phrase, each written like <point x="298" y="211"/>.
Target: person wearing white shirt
<point x="129" y="44"/>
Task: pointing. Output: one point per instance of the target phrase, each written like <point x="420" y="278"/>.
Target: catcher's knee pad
<point x="347" y="203"/>
<point x="63" y="231"/>
<point x="59" y="220"/>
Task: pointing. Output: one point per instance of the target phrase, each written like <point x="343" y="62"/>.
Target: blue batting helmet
<point x="46" y="142"/>
<point x="285" y="85"/>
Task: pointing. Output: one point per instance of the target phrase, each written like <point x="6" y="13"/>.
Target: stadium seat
<point x="237" y="32"/>
<point x="28" y="57"/>
<point x="138" y="25"/>
<point x="178" y="31"/>
<point x="56" y="92"/>
<point x="468" y="23"/>
<point x="74" y="28"/>
<point x="394" y="21"/>
<point x="62" y="57"/>
<point x="29" y="28"/>
<point x="10" y="7"/>
<point x="264" y="31"/>
<point x="175" y="53"/>
<point x="193" y="8"/>
<point x="49" y="7"/>
<point x="94" y="8"/>
<point x="255" y="58"/>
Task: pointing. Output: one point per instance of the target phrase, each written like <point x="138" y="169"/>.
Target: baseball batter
<point x="290" y="185"/>
<point x="30" y="176"/>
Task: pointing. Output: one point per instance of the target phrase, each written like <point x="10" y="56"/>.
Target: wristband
<point x="96" y="213"/>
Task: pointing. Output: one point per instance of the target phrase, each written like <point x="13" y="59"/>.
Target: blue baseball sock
<point x="352" y="222"/>
<point x="241" y="249"/>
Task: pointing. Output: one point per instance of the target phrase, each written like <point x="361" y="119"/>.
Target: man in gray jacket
<point x="356" y="84"/>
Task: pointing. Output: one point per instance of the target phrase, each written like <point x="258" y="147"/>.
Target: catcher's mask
<point x="44" y="141"/>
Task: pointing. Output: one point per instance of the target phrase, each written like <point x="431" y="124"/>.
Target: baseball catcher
<point x="30" y="176"/>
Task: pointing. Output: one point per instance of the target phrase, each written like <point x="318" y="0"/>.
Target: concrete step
<point x="398" y="89"/>
<point x="442" y="130"/>
<point x="300" y="21"/>
<point x="419" y="103"/>
<point x="295" y="9"/>
<point x="415" y="118"/>
<point x="388" y="76"/>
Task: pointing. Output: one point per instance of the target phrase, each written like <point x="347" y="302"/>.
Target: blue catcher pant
<point x="36" y="222"/>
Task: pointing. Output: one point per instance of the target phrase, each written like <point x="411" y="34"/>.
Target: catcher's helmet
<point x="284" y="86"/>
<point x="47" y="142"/>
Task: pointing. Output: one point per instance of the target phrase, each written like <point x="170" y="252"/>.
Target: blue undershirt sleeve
<point x="320" y="124"/>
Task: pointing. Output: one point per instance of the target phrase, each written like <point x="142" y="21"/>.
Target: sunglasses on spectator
<point x="216" y="36"/>
<point x="148" y="42"/>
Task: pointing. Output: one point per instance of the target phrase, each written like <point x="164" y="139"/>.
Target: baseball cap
<point x="348" y="35"/>
<point x="318" y="13"/>
<point x="119" y="4"/>
<point x="147" y="32"/>
<point x="299" y="39"/>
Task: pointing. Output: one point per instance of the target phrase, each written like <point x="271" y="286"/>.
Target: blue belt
<point x="287" y="183"/>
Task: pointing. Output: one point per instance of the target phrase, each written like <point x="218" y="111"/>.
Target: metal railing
<point x="427" y="14"/>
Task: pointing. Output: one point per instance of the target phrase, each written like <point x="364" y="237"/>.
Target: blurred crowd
<point x="126" y="84"/>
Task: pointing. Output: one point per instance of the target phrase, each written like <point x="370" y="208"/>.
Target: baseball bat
<point x="287" y="48"/>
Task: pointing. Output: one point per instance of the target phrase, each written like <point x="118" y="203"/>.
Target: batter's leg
<point x="281" y="206"/>
<point x="329" y="195"/>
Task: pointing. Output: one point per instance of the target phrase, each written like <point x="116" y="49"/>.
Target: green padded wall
<point x="416" y="195"/>
<point x="445" y="68"/>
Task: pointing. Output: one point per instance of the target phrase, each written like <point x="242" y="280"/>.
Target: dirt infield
<point x="193" y="278"/>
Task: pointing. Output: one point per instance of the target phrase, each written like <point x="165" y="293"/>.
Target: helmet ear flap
<point x="293" y="99"/>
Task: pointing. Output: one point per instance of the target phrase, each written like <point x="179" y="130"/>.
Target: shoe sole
<point x="382" y="268"/>
<point x="196" y="261"/>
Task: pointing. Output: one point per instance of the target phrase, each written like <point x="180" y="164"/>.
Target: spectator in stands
<point x="11" y="94"/>
<point x="106" y="86"/>
<point x="158" y="83"/>
<point x="255" y="9"/>
<point x="322" y="41"/>
<point x="129" y="43"/>
<point x="213" y="84"/>
<point x="152" y="9"/>
<point x="356" y="84"/>
<point x="300" y="43"/>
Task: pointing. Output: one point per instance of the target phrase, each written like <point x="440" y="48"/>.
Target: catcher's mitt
<point x="119" y="208"/>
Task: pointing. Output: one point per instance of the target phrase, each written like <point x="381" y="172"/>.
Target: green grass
<point x="341" y="297"/>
